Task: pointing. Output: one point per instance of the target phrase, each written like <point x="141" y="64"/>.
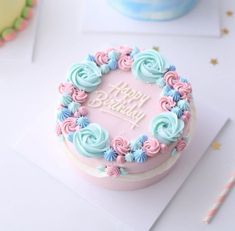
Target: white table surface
<point x="31" y="200"/>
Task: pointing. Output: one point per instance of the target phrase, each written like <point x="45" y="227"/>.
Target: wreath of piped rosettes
<point x="90" y="140"/>
<point x="19" y="24"/>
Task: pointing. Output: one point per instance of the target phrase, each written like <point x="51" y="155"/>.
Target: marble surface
<point x="30" y="200"/>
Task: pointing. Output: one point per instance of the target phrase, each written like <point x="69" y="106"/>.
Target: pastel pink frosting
<point x="112" y="170"/>
<point x="180" y="146"/>
<point x="23" y="25"/>
<point x="120" y="159"/>
<point x="151" y="147"/>
<point x="58" y="130"/>
<point x="9" y="36"/>
<point x="77" y="114"/>
<point x="184" y="89"/>
<point x="125" y="62"/>
<point x="83" y="111"/>
<point x="166" y="103"/>
<point x="66" y="88"/>
<point x="186" y="116"/>
<point x="79" y="96"/>
<point x="120" y="145"/>
<point x="1" y="42"/>
<point x="124" y="50"/>
<point x="171" y="78"/>
<point x="69" y="125"/>
<point x="101" y="58"/>
<point x="164" y="148"/>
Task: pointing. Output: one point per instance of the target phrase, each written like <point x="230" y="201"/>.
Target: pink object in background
<point x="220" y="199"/>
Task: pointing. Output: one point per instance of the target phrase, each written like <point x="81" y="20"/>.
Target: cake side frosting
<point x="14" y="16"/>
<point x="125" y="141"/>
<point x="153" y="10"/>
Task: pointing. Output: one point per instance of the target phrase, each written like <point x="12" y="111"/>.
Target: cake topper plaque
<point x="121" y="101"/>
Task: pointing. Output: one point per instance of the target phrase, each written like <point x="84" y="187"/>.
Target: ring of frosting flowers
<point x="90" y="140"/>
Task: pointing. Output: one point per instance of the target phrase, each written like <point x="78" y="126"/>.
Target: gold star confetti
<point x="229" y="13"/>
<point x="156" y="48"/>
<point x="214" y="61"/>
<point x="225" y="31"/>
<point x="215" y="145"/>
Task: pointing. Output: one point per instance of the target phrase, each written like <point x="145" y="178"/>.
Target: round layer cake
<point x="153" y="9"/>
<point x="125" y="116"/>
<point x="14" y="16"/>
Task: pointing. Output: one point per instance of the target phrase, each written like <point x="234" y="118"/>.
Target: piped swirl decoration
<point x="92" y="141"/>
<point x="171" y="78"/>
<point x="85" y="76"/>
<point x="120" y="145"/>
<point x="18" y="24"/>
<point x="167" y="128"/>
<point x="167" y="103"/>
<point x="69" y="125"/>
<point x="149" y="66"/>
<point x="151" y="147"/>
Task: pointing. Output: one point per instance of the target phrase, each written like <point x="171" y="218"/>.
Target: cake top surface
<point x="121" y="101"/>
<point x="9" y="11"/>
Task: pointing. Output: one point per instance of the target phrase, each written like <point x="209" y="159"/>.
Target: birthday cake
<point x="125" y="116"/>
<point x="153" y="9"/>
<point x="14" y="16"/>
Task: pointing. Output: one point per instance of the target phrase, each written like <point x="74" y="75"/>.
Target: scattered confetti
<point x="156" y="48"/>
<point x="215" y="145"/>
<point x="229" y="13"/>
<point x="225" y="31"/>
<point x="214" y="61"/>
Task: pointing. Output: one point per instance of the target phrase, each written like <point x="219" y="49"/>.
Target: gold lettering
<point x="122" y="102"/>
<point x="98" y="101"/>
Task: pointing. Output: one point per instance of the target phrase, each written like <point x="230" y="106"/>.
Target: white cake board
<point x="21" y="48"/>
<point x="203" y="20"/>
<point x="134" y="210"/>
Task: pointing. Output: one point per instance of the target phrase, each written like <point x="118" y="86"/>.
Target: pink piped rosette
<point x="72" y="115"/>
<point x="20" y="23"/>
<point x="177" y="95"/>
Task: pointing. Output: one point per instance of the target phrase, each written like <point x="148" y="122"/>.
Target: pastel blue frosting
<point x="105" y="69"/>
<point x="184" y="80"/>
<point x="66" y="99"/>
<point x="85" y="76"/>
<point x="63" y="114"/>
<point x="153" y="10"/>
<point x="174" y="152"/>
<point x="112" y="64"/>
<point x="135" y="144"/>
<point x="138" y="143"/>
<point x="174" y="94"/>
<point x="134" y="52"/>
<point x="149" y="66"/>
<point x="70" y="137"/>
<point x="183" y="104"/>
<point x="129" y="157"/>
<point x="166" y="89"/>
<point x="178" y="111"/>
<point x="113" y="55"/>
<point x="140" y="156"/>
<point x="73" y="106"/>
<point x="91" y="141"/>
<point x="90" y="58"/>
<point x="161" y="83"/>
<point x="167" y="128"/>
<point x="82" y="121"/>
<point x="172" y="68"/>
<point x="110" y="155"/>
